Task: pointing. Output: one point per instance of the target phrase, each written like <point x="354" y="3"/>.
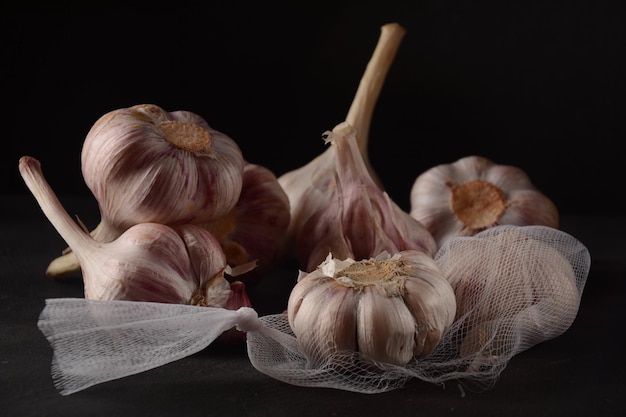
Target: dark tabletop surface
<point x="577" y="373"/>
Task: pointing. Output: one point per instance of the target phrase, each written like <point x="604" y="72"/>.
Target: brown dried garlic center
<point x="389" y="275"/>
<point x="187" y="136"/>
<point x="477" y="204"/>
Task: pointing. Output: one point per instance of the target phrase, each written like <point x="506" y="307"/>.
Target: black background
<point x="536" y="84"/>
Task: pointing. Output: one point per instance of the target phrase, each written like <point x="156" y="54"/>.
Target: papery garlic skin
<point x="389" y="309"/>
<point x="474" y="193"/>
<point x="148" y="262"/>
<point x="360" y="220"/>
<point x="144" y="164"/>
<point x="255" y="229"/>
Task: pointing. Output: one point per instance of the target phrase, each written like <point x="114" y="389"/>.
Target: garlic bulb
<point x="148" y="262"/>
<point x="255" y="229"/>
<point x="360" y="220"/>
<point x="515" y="286"/>
<point x="390" y="308"/>
<point x="310" y="187"/>
<point x="144" y="164"/>
<point x="474" y="193"/>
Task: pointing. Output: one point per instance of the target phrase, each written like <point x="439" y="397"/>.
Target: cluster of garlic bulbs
<point x="186" y="219"/>
<point x="175" y="197"/>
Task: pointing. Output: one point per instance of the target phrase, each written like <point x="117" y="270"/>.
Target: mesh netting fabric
<point x="515" y="287"/>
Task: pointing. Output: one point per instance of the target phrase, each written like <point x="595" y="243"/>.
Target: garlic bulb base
<point x="477" y="203"/>
<point x="186" y="136"/>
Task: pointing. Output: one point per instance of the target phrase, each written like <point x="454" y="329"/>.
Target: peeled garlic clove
<point x="148" y="262"/>
<point x="474" y="193"/>
<point x="389" y="309"/>
<point x="309" y="187"/>
<point x="144" y="164"/>
<point x="255" y="229"/>
<point x="515" y="286"/>
<point x="360" y="220"/>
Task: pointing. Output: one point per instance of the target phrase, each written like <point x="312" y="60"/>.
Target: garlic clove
<point x="378" y="307"/>
<point x="474" y="193"/>
<point x="148" y="262"/>
<point x="387" y="337"/>
<point x="309" y="187"/>
<point x="425" y="296"/>
<point x="329" y="326"/>
<point x="360" y="220"/>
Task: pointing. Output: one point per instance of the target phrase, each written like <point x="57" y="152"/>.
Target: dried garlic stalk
<point x="310" y="187"/>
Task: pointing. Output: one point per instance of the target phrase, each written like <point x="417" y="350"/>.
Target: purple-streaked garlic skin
<point x="500" y="194"/>
<point x="389" y="309"/>
<point x="308" y="189"/>
<point x="311" y="186"/>
<point x="255" y="229"/>
<point x="147" y="262"/>
<point x="144" y="164"/>
<point x="360" y="220"/>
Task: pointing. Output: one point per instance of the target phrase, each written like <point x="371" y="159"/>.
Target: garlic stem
<point x="70" y="231"/>
<point x="370" y="86"/>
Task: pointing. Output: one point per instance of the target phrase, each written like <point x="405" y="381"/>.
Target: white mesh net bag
<point x="515" y="287"/>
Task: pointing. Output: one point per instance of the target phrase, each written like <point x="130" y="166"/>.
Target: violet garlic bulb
<point x="474" y="193"/>
<point x="389" y="309"/>
<point x="147" y="262"/>
<point x="311" y="186"/>
<point x="144" y="164"/>
<point x="255" y="229"/>
<point x="359" y="220"/>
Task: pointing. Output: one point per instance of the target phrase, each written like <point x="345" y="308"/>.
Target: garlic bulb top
<point x="360" y="220"/>
<point x="309" y="187"/>
<point x="144" y="164"/>
<point x="148" y="262"/>
<point x="389" y="309"/>
<point x="474" y="193"/>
